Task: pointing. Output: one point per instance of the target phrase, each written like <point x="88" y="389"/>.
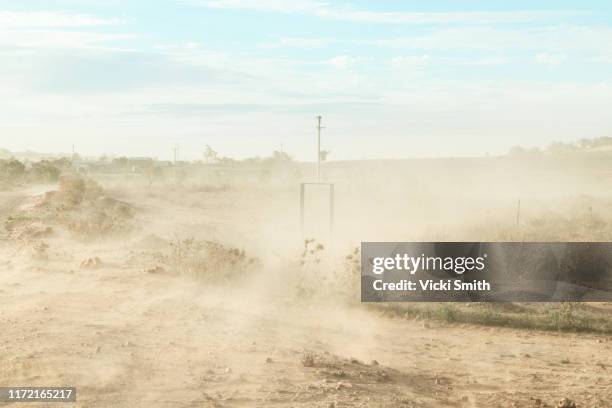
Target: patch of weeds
<point x="563" y="317"/>
<point x="446" y="312"/>
<point x="209" y="260"/>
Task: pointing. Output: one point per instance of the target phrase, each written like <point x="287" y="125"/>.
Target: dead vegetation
<point x="344" y="382"/>
<point x="204" y="260"/>
<point x="14" y="172"/>
<point x="324" y="278"/>
<point x="209" y="261"/>
<point x="320" y="274"/>
<point x="79" y="206"/>
<point x="320" y="277"/>
<point x="562" y="317"/>
<point x="91" y="263"/>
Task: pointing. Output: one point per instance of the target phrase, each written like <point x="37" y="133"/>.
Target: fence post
<point x="302" y="206"/>
<point x="331" y="208"/>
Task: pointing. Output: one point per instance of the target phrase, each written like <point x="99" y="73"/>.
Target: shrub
<point x="209" y="260"/>
<point x="12" y="170"/>
<point x="45" y="171"/>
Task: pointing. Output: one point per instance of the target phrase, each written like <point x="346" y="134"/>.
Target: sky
<point x="392" y="79"/>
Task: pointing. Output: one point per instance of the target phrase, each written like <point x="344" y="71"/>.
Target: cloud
<point x="551" y="39"/>
<point x="297" y="42"/>
<point x="485" y="62"/>
<point x="347" y="13"/>
<point x="411" y="61"/>
<point x="54" y="30"/>
<point x="49" y="39"/>
<point x="53" y="19"/>
<point x="546" y="58"/>
<point x="341" y="61"/>
<point x="234" y="108"/>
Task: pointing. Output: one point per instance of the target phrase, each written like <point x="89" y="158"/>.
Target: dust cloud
<point x="199" y="286"/>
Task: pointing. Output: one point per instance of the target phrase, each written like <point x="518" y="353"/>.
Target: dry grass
<point x="79" y="206"/>
<point x="563" y="317"/>
<point x="208" y="260"/>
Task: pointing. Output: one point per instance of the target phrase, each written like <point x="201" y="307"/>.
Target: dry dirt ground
<point x="129" y="335"/>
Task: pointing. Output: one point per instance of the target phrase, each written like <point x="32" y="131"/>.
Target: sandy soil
<point x="127" y="337"/>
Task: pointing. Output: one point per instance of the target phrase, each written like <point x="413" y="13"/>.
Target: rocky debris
<point x="335" y="370"/>
<point x="269" y="360"/>
<point x="23" y="228"/>
<point x="566" y="403"/>
<point x="338" y="373"/>
<point x="343" y="385"/>
<point x="91" y="263"/>
<point x="538" y="403"/>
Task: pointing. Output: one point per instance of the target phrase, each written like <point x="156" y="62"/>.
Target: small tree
<point x="210" y="156"/>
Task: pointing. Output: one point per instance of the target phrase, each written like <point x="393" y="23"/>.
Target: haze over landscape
<point x="168" y="240"/>
<point x="392" y="79"/>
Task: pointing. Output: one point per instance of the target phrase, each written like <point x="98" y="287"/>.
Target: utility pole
<point x="319" y="148"/>
<point x="175" y="150"/>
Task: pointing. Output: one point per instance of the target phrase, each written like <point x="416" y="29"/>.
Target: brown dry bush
<point x="80" y="206"/>
<point x="209" y="260"/>
<point x="322" y="275"/>
<point x="106" y="217"/>
<point x="310" y="273"/>
<point x="308" y="359"/>
<point x="11" y="172"/>
<point x="74" y="190"/>
<point x="48" y="170"/>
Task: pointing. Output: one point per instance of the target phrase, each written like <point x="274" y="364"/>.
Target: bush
<point x="73" y="190"/>
<point x="210" y="261"/>
<point x="45" y="171"/>
<point x="11" y="170"/>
